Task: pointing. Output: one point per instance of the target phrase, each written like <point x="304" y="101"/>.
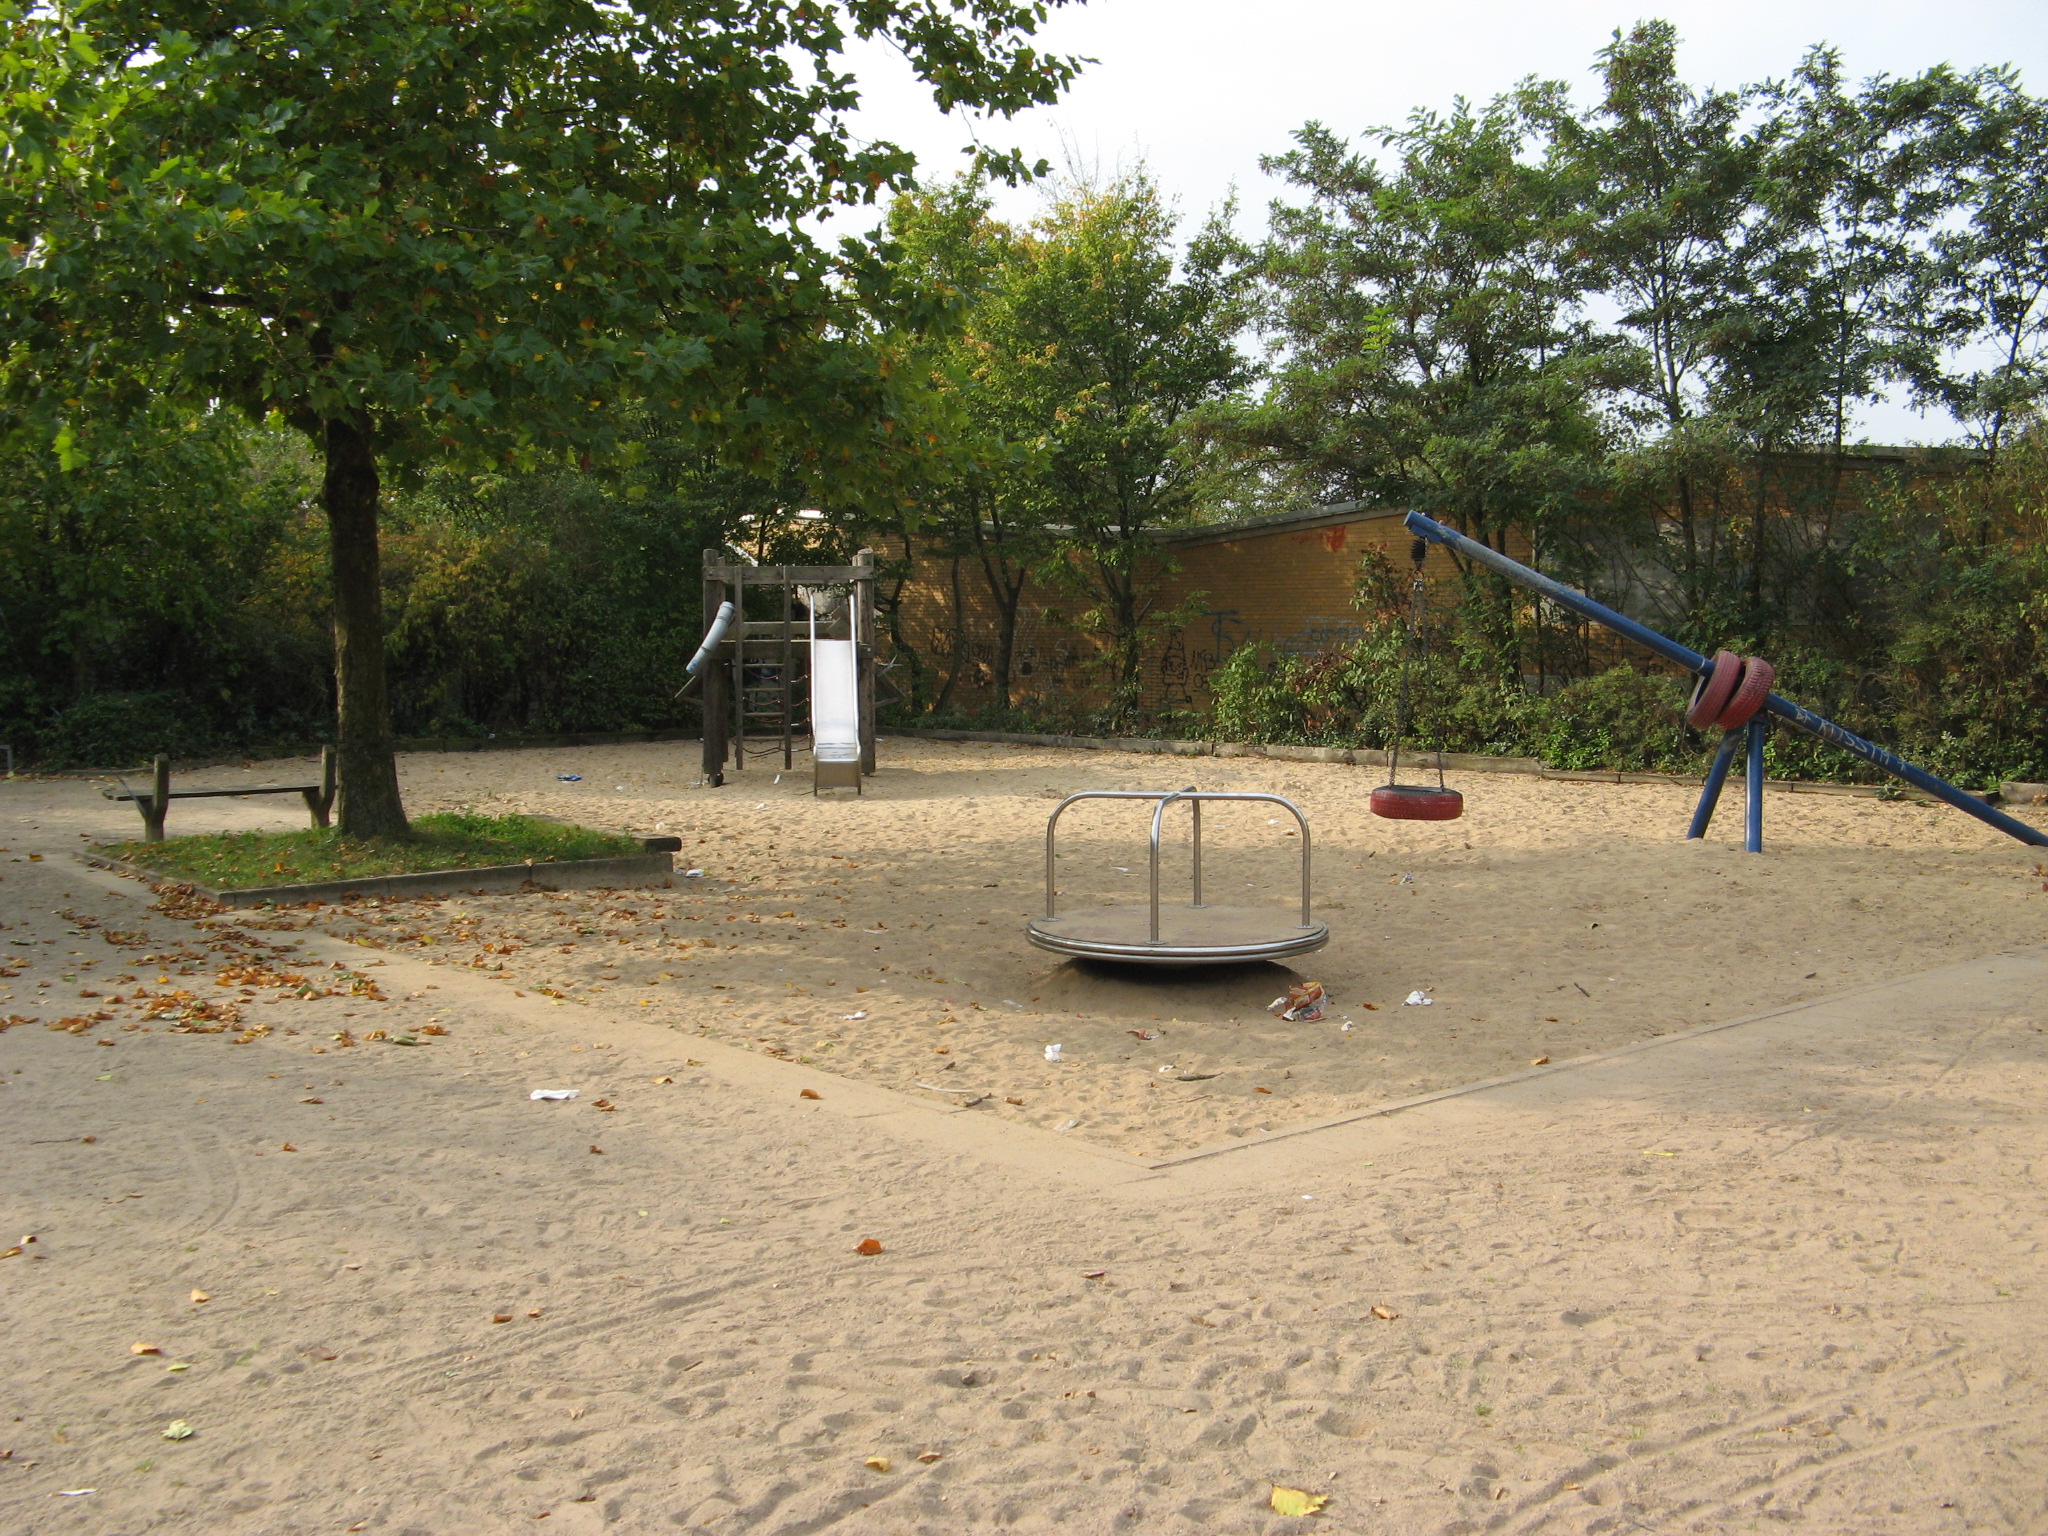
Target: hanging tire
<point x="1710" y="695"/>
<point x="1417" y="802"/>
<point x="1750" y="693"/>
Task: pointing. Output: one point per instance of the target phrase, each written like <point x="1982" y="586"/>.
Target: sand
<point x="883" y="937"/>
<point x="1782" y="1273"/>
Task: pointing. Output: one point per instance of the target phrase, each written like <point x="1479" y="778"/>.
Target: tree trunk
<point x="1006" y="642"/>
<point x="370" y="805"/>
<point x="957" y="660"/>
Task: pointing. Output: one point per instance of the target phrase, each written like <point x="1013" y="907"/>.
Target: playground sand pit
<point x="882" y="937"/>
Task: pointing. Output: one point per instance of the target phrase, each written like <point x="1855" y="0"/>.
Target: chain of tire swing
<point x="1416" y="650"/>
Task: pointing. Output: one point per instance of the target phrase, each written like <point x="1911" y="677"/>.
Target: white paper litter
<point x="693" y="874"/>
<point x="554" y="1095"/>
<point x="1011" y="1002"/>
<point x="1052" y="1053"/>
<point x="850" y="1017"/>
<point x="75" y="1493"/>
<point x="1417" y="1000"/>
<point x="1069" y="1125"/>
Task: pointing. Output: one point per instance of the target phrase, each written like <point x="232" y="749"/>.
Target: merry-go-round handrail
<point x="1166" y="797"/>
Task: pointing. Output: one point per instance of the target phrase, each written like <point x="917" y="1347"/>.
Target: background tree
<point x="1660" y="182"/>
<point x="1424" y="321"/>
<point x="1101" y="345"/>
<point x="425" y="230"/>
<point x="1978" y="312"/>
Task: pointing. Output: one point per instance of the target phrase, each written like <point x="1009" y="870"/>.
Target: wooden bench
<point x="319" y="797"/>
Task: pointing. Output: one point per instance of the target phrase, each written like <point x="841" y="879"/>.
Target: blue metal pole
<point x="1710" y="796"/>
<point x="1783" y="708"/>
<point x="1753" y="818"/>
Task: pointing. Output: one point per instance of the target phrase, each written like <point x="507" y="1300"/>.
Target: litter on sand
<point x="554" y="1095"/>
<point x="693" y="874"/>
<point x="1303" y="1001"/>
<point x="850" y="1017"/>
<point x="1417" y="999"/>
<point x="570" y="778"/>
<point x="1052" y="1053"/>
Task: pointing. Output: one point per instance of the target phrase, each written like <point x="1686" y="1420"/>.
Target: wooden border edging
<point x="634" y="869"/>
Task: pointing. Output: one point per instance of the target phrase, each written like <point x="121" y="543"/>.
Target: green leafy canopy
<point x="474" y="225"/>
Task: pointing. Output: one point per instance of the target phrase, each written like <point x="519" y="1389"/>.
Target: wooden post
<point x="738" y="577"/>
<point x="159" y="801"/>
<point x="863" y="625"/>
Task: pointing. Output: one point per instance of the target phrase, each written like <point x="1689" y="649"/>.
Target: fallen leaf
<point x="144" y="1349"/>
<point x="597" y="1149"/>
<point x="501" y="1317"/>
<point x="287" y="1147"/>
<point x="810" y="1093"/>
<point x="664" y="1079"/>
<point x="318" y="1352"/>
<point x="1297" y="1501"/>
<point x="534" y="1313"/>
<point x="1385" y="1314"/>
<point x="312" y="1101"/>
<point x="605" y="1104"/>
<point x="1539" y="1061"/>
<point x="868" y="1246"/>
<point x="1143" y="1034"/>
<point x="1013" y="1101"/>
<point x="1262" y="1090"/>
<point x="178" y="1366"/>
<point x="928" y="1457"/>
<point x="10" y="1253"/>
<point x="178" y="1429"/>
<point x="877" y="1463"/>
<point x="199" y="1296"/>
<point x="1093" y="1274"/>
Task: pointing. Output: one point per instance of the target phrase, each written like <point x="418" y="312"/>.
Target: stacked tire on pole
<point x="1730" y="692"/>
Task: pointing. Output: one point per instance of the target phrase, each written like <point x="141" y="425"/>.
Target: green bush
<point x="121" y="730"/>
<point x="1620" y="719"/>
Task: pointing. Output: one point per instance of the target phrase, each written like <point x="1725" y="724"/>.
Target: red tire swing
<point x="1729" y="692"/>
<point x="1415" y="802"/>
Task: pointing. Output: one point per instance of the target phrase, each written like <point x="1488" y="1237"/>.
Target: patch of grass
<point x="232" y="860"/>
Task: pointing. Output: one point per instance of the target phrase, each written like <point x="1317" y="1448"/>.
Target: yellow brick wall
<point x="1290" y="586"/>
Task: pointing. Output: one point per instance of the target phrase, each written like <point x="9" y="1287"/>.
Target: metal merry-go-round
<point x="1196" y="934"/>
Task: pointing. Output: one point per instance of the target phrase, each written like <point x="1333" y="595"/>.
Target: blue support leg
<point x="1724" y="759"/>
<point x="1753" y="840"/>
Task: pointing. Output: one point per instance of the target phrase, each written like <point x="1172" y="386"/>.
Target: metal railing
<point x="1166" y="797"/>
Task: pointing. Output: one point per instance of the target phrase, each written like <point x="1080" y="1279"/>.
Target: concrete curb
<point x="636" y="869"/>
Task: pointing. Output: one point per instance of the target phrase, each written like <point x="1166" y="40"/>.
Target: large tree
<point x="433" y="229"/>
<point x="1102" y="344"/>
<point x="1424" y="318"/>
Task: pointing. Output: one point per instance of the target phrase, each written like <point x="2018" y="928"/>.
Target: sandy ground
<point x="882" y="937"/>
<point x="1783" y="1274"/>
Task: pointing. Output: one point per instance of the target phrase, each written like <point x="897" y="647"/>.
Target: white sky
<point x="1200" y="89"/>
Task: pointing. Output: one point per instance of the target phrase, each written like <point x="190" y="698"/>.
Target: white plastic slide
<point x="835" y="702"/>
